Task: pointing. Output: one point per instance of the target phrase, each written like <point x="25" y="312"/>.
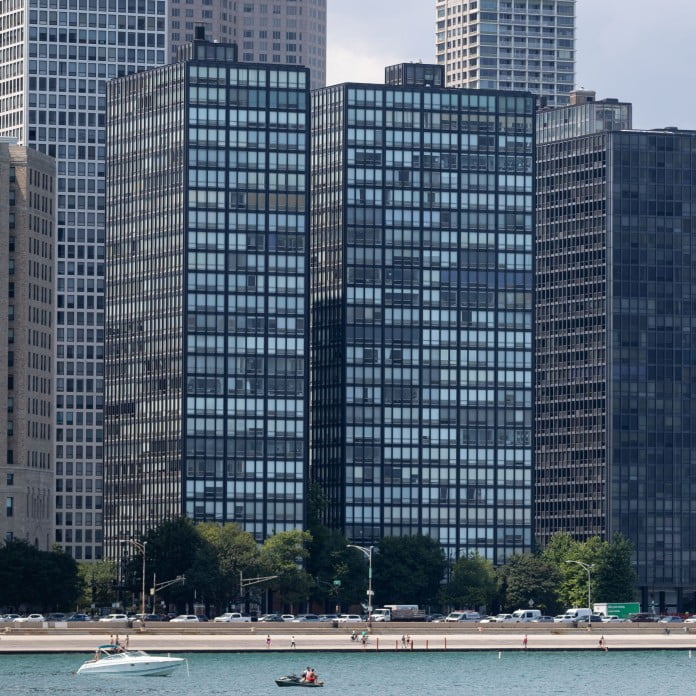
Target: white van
<point x="463" y="616"/>
<point x="574" y="614"/>
<point x="525" y="615"/>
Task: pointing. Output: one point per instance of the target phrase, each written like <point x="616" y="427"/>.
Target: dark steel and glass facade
<point x="615" y="318"/>
<point x="421" y="310"/>
<point x="207" y="277"/>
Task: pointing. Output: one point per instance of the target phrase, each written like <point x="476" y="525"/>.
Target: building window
<point x="10" y="479"/>
<point x="9" y="506"/>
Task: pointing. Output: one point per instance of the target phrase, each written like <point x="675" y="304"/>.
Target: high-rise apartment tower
<point x="421" y="297"/>
<point x="27" y="347"/>
<point x="291" y="32"/>
<point x="56" y="58"/>
<point x="508" y="44"/>
<point x="207" y="282"/>
<point x="615" y="343"/>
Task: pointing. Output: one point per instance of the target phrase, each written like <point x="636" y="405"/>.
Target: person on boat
<point x="305" y="674"/>
<point x="312" y="675"/>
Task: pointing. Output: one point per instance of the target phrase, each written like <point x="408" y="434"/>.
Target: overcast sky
<point x="624" y="49"/>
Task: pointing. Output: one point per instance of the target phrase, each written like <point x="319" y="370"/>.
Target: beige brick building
<point x="27" y="345"/>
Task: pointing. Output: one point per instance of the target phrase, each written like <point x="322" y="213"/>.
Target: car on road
<point x="55" y="616"/>
<point x="9" y="618"/>
<point x="463" y="616"/>
<point x="270" y="618"/>
<point x="306" y="618"/>
<point x="78" y="617"/>
<point x="643" y="617"/>
<point x="671" y="619"/>
<point x="612" y="619"/>
<point x="32" y="618"/>
<point x="349" y="618"/>
<point x="435" y="618"/>
<point x="232" y="617"/>
<point x="114" y="618"/>
<point x="287" y="617"/>
<point x="690" y="620"/>
<point x="327" y="617"/>
<point x="185" y="618"/>
<point x="594" y="618"/>
<point x="498" y="618"/>
<point x="543" y="619"/>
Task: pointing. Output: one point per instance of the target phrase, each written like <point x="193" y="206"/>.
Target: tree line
<point x="314" y="569"/>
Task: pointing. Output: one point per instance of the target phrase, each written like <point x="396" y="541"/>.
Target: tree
<point x="473" y="584"/>
<point x="408" y="570"/>
<point x="235" y="551"/>
<point x="283" y="555"/>
<point x="614" y="578"/>
<point x="98" y="582"/>
<point x="527" y="577"/>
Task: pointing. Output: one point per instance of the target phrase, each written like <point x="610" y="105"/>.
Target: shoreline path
<point x="435" y="637"/>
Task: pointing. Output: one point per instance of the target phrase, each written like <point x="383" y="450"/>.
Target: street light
<point x="140" y="547"/>
<point x="588" y="568"/>
<point x="368" y="552"/>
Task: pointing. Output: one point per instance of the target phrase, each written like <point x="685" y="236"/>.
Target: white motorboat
<point x="113" y="659"/>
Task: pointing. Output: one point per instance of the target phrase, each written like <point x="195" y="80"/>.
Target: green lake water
<point x="618" y="673"/>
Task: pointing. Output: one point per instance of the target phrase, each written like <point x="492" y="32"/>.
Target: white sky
<point x="624" y="49"/>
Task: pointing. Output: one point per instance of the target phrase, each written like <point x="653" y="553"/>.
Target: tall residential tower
<point x="27" y="347"/>
<point x="290" y="32"/>
<point x="207" y="282"/>
<point x="421" y="297"/>
<point x="55" y="60"/>
<point x="508" y="44"/>
<point x="616" y="340"/>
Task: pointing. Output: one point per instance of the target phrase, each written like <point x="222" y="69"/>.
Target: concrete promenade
<point x="386" y="637"/>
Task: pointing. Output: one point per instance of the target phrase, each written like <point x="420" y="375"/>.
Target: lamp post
<point x="588" y="568"/>
<point x="367" y="550"/>
<point x="140" y="547"/>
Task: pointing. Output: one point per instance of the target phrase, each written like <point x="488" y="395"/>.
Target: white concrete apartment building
<point x="291" y="32"/>
<point x="508" y="44"/>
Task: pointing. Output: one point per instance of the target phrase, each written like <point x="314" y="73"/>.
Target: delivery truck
<point x="621" y="609"/>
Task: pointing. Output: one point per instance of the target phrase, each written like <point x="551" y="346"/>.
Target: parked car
<point x="55" y="616"/>
<point x="232" y="617"/>
<point x="671" y="619"/>
<point x="115" y="618"/>
<point x="543" y="619"/>
<point x="185" y="618"/>
<point x="32" y="618"/>
<point x="349" y="618"/>
<point x="463" y="616"/>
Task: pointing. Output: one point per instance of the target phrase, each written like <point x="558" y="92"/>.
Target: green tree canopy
<point x="474" y="583"/>
<point x="98" y="582"/>
<point x="407" y="570"/>
<point x="527" y="577"/>
<point x="283" y="555"/>
<point x="615" y="578"/>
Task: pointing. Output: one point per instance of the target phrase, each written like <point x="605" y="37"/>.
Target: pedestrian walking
<point x="268" y="642"/>
<point x="524" y="642"/>
<point x="603" y="644"/>
<point x="292" y="643"/>
<point x="403" y="640"/>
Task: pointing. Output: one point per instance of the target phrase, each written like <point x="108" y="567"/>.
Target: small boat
<point x="113" y="659"/>
<point x="294" y="680"/>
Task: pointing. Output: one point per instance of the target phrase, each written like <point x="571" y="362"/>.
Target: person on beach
<point x="524" y="642"/>
<point x="603" y="644"/>
<point x="403" y="640"/>
<point x="268" y="642"/>
<point x="292" y="643"/>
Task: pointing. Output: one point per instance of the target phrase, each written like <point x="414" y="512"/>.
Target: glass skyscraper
<point x="421" y="311"/>
<point x="56" y="58"/>
<point x="206" y="340"/>
<point x="508" y="44"/>
<point x="615" y="318"/>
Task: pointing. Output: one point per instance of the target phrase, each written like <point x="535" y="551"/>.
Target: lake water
<point x="658" y="673"/>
